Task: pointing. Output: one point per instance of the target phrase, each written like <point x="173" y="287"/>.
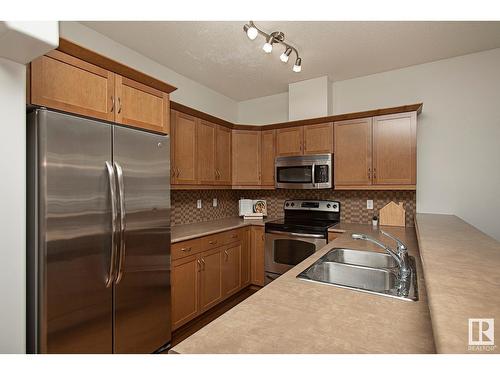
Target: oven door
<point x="284" y="250"/>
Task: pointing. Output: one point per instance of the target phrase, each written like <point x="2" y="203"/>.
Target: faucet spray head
<point x="357" y="236"/>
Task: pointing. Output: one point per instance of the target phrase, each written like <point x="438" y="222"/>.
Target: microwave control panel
<point x="321" y="174"/>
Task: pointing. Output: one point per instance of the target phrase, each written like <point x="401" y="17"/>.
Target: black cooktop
<point x="311" y="226"/>
<point x="307" y="216"/>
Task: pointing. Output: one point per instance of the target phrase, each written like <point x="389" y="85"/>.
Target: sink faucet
<point x="400" y="255"/>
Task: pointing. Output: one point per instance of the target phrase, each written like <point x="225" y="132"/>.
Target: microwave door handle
<point x="313" y="179"/>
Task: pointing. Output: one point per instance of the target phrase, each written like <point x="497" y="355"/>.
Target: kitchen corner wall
<point x="353" y="203"/>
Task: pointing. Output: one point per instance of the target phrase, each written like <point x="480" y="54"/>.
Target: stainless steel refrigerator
<point x="98" y="236"/>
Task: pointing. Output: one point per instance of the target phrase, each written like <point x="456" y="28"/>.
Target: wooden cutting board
<point x="393" y="214"/>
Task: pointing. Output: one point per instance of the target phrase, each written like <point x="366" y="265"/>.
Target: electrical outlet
<point x="214" y="202"/>
<point x="198" y="203"/>
<point x="369" y="204"/>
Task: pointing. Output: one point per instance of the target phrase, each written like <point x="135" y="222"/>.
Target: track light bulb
<point x="284" y="56"/>
<point x="298" y="65"/>
<point x="267" y="47"/>
<point x="251" y="31"/>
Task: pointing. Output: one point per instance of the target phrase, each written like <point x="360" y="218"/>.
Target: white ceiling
<point x="220" y="56"/>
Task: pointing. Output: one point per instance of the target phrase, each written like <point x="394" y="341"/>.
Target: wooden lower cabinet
<point x="210" y="279"/>
<point x="231" y="269"/>
<point x="245" y="257"/>
<point x="257" y="256"/>
<point x="185" y="290"/>
<point x="202" y="280"/>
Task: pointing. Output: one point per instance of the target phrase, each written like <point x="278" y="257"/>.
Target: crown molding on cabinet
<point x="312" y="121"/>
<point x="104" y="62"/>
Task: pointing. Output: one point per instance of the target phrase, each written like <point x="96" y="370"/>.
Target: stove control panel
<point x="328" y="206"/>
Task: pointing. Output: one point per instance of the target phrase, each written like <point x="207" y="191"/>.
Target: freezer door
<point x="142" y="290"/>
<point x="69" y="305"/>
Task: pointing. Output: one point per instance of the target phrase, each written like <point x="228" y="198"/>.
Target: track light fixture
<point x="276" y="37"/>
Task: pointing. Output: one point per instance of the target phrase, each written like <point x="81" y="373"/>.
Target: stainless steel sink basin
<point x="357" y="270"/>
<point x="361" y="258"/>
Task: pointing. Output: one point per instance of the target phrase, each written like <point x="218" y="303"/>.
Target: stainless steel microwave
<point x="304" y="172"/>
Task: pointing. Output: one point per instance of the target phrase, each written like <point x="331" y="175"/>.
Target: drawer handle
<point x="199" y="265"/>
<point x="227" y="255"/>
<point x="203" y="261"/>
<point x="212" y="242"/>
<point x="186" y="249"/>
<point x="234" y="236"/>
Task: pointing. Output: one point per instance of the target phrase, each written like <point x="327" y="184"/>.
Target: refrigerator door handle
<point x="121" y="200"/>
<point x="114" y="217"/>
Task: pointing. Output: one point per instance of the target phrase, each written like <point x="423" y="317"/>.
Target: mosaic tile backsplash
<point x="352" y="203"/>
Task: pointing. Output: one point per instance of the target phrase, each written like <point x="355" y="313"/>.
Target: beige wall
<point x="13" y="207"/>
<point x="264" y="110"/>
<point x="188" y="92"/>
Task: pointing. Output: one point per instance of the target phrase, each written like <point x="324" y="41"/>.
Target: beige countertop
<point x="462" y="275"/>
<point x="189" y="231"/>
<point x="295" y="316"/>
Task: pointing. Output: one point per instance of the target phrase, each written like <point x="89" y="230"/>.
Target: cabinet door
<point x="257" y="255"/>
<point x="141" y="106"/>
<point x="185" y="288"/>
<point x="205" y="159"/>
<point x="223" y="156"/>
<point x="231" y="269"/>
<point x="394" y="149"/>
<point x="63" y="82"/>
<point x="267" y="161"/>
<point x="245" y="257"/>
<point x="210" y="279"/>
<point x="353" y="152"/>
<point x="183" y="148"/>
<point x="318" y="139"/>
<point x="289" y="141"/>
<point x="246" y="157"/>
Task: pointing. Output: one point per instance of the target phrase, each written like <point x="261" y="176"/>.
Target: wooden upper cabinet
<point x="246" y="157"/>
<point x="394" y="149"/>
<point x="64" y="82"/>
<point x="353" y="152"/>
<point x="141" y="106"/>
<point x="206" y="149"/>
<point x="67" y="83"/>
<point x="223" y="156"/>
<point x="185" y="290"/>
<point x="210" y="279"/>
<point x="267" y="157"/>
<point x="289" y="141"/>
<point x="183" y="148"/>
<point x="318" y="139"/>
<point x="231" y="269"/>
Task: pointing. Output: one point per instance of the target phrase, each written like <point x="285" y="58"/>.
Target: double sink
<point x="365" y="271"/>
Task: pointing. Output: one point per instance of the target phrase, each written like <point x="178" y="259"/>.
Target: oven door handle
<point x="293" y="234"/>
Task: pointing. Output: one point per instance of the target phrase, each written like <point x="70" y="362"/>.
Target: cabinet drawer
<point x="212" y="241"/>
<point x="232" y="236"/>
<point x="186" y="248"/>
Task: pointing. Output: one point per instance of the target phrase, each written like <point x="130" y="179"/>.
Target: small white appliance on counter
<point x="252" y="209"/>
